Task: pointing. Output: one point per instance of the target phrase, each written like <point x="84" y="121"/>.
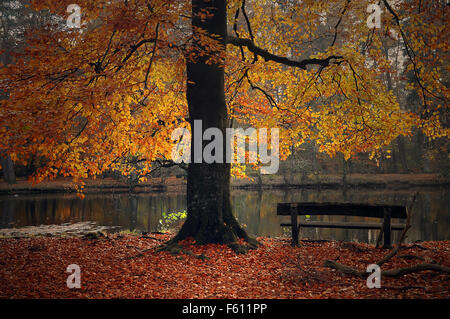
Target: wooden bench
<point x="386" y="212"/>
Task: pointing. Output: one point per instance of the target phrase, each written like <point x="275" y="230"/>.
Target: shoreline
<point x="267" y="182"/>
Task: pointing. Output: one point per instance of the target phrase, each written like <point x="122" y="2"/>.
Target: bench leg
<point x="294" y="228"/>
<point x="387" y="229"/>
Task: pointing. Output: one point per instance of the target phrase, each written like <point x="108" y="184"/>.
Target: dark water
<point x="256" y="210"/>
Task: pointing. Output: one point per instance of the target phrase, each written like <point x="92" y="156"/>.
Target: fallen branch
<point x="345" y="269"/>
<point x="391" y="272"/>
<point x="394" y="251"/>
<point x="387" y="273"/>
<point x="421" y="247"/>
<point x="416" y="268"/>
<point x="410" y="257"/>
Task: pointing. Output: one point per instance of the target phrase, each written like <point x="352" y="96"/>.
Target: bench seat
<point x="384" y="212"/>
<point x="350" y="225"/>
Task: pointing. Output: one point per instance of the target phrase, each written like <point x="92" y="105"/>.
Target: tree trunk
<point x="209" y="214"/>
<point x="8" y="169"/>
<point x="402" y="154"/>
<point x="7" y="164"/>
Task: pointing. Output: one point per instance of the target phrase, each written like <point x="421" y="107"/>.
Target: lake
<point x="255" y="210"/>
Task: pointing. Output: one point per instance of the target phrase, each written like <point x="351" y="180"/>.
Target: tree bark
<point x="402" y="154"/>
<point x="7" y="164"/>
<point x="8" y="169"/>
<point x="209" y="214"/>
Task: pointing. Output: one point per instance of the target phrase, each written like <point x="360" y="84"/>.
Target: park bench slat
<point x="349" y="225"/>
<point x="386" y="212"/>
<point x="346" y="209"/>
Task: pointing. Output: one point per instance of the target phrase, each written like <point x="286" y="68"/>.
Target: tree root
<point x="227" y="234"/>
<point x="243" y="249"/>
<point x="140" y="254"/>
<point x="171" y="247"/>
<point x="229" y="237"/>
<point x="174" y="248"/>
<point x="150" y="237"/>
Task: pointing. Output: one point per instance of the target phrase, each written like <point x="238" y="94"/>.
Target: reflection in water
<point x="255" y="210"/>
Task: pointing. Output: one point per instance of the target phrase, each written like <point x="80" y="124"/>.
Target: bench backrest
<point x="344" y="209"/>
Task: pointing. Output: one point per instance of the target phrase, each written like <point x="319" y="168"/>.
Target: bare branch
<point x="267" y="56"/>
<point x="153" y="56"/>
<point x="402" y="236"/>
<point x="133" y="49"/>
<point x="339" y="22"/>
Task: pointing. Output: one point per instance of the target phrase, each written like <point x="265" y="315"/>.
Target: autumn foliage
<point x="83" y="100"/>
<point x="128" y="266"/>
<point x="108" y="95"/>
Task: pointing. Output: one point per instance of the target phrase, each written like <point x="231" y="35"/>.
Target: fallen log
<point x="391" y="272"/>
<point x="387" y="273"/>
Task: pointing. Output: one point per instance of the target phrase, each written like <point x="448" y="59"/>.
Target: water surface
<point x="255" y="210"/>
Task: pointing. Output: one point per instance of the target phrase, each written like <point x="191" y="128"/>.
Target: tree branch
<point x="411" y="54"/>
<point x="133" y="49"/>
<point x="339" y="22"/>
<point x="153" y="56"/>
<point x="249" y="28"/>
<point x="267" y="56"/>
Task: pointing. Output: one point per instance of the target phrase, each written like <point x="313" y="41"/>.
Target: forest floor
<point x="177" y="184"/>
<point x="127" y="266"/>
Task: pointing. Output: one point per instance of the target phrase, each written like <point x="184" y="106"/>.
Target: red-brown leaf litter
<point x="125" y="266"/>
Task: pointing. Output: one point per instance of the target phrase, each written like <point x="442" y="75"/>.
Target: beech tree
<point x="84" y="98"/>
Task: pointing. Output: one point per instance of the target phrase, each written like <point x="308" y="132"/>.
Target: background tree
<point x="137" y="69"/>
<point x="15" y="19"/>
<point x="9" y="19"/>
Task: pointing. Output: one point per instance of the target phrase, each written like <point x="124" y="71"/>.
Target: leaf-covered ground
<point x="120" y="266"/>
